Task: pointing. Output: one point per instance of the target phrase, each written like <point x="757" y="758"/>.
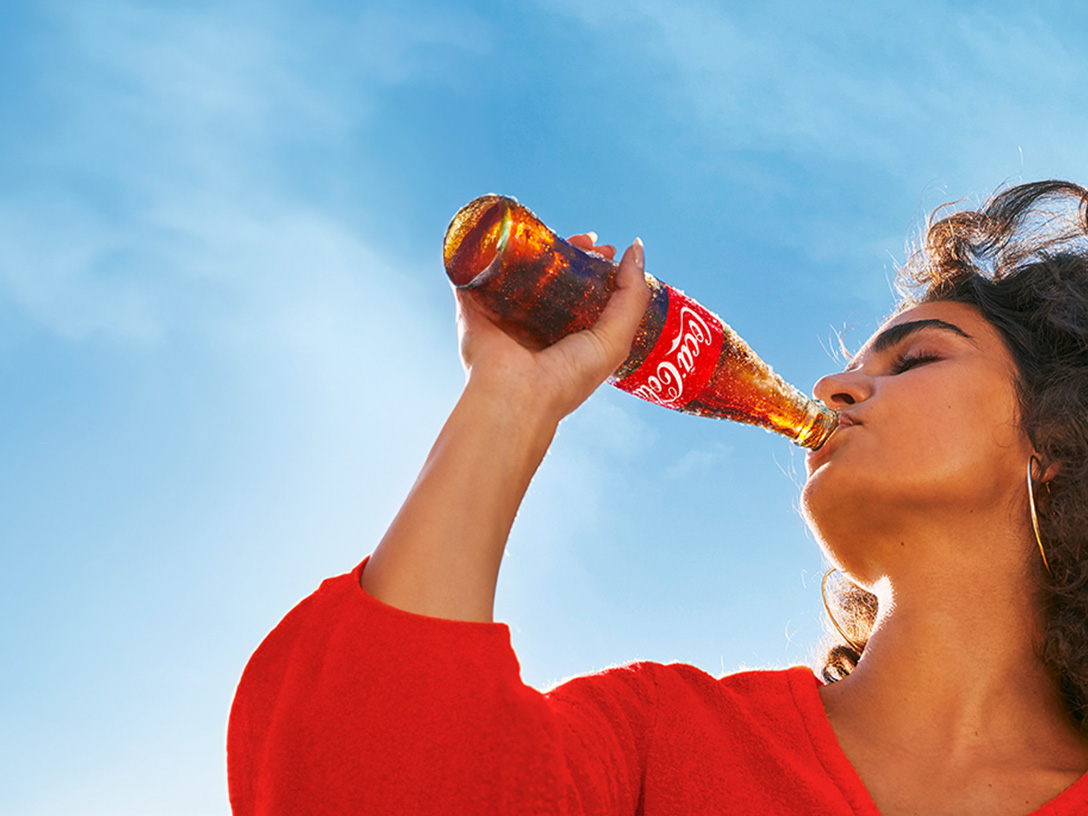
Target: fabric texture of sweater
<point x="350" y="706"/>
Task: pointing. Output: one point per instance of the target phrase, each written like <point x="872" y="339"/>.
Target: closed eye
<point x="905" y="362"/>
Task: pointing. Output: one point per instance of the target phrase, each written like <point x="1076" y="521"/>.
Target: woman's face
<point x="929" y="448"/>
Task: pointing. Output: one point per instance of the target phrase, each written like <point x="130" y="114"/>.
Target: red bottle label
<point x="680" y="364"/>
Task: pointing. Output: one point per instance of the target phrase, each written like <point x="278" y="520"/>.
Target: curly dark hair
<point x="1022" y="261"/>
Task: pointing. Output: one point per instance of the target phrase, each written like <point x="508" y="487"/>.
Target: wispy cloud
<point x="819" y="79"/>
<point x="699" y="459"/>
<point x="170" y="211"/>
<point x="149" y="216"/>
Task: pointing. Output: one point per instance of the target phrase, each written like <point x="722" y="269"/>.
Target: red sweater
<point x="351" y="707"/>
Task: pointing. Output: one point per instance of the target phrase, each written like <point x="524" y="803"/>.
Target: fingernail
<point x="593" y="236"/>
<point x="640" y="258"/>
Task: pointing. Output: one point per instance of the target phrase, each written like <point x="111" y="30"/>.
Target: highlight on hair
<point x="1022" y="261"/>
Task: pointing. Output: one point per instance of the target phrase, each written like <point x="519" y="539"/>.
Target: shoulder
<point x="765" y="710"/>
<point x="684" y="679"/>
<point x="697" y="731"/>
<point x="756" y="693"/>
<point x="752" y="684"/>
<point x="681" y="691"/>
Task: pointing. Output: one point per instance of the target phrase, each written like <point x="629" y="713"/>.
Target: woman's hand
<point x="442" y="553"/>
<point x="553" y="381"/>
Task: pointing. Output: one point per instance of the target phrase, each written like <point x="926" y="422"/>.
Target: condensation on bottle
<point x="539" y="288"/>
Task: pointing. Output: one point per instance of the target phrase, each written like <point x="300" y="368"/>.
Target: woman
<point x="962" y="687"/>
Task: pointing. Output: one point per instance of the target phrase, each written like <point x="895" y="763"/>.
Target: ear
<point x="1049" y="473"/>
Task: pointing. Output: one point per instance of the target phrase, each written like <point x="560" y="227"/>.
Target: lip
<point x="845" y="420"/>
<point x="813" y="457"/>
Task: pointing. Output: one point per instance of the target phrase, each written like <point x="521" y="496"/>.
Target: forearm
<point x="441" y="555"/>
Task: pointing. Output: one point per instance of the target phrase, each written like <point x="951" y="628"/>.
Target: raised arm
<point x="441" y="555"/>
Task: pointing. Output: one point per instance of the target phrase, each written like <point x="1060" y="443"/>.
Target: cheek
<point x="922" y="444"/>
<point x="966" y="447"/>
<point x="983" y="425"/>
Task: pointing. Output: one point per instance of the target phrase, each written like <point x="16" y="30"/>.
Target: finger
<point x="470" y="317"/>
<point x="621" y="317"/>
<point x="588" y="241"/>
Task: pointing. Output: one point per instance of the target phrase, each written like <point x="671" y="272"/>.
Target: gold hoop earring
<point x="1035" y="516"/>
<point x="831" y="616"/>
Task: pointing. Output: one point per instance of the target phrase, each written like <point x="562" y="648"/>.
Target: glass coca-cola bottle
<point x="539" y="288"/>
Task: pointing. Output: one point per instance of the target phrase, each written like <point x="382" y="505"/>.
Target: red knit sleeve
<point x="351" y="706"/>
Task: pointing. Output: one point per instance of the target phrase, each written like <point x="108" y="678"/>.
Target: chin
<point x="817" y="506"/>
<point x="839" y="516"/>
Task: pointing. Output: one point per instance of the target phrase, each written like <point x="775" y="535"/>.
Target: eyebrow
<point x="899" y="332"/>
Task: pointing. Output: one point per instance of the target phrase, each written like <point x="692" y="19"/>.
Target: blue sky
<point x="226" y="340"/>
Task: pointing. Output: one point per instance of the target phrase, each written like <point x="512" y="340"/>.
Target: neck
<point x="951" y="670"/>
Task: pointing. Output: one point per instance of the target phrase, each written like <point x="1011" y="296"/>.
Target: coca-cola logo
<point x="667" y="376"/>
<point x="666" y="384"/>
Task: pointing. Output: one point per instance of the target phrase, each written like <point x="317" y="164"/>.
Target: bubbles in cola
<point x="539" y="288"/>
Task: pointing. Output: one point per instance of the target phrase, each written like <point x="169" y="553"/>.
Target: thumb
<point x="616" y="327"/>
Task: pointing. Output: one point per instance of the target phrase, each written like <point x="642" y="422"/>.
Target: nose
<point x="844" y="388"/>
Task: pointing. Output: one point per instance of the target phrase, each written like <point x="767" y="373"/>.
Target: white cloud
<point x="53" y="264"/>
<point x="851" y="81"/>
<point x="699" y="459"/>
<point x="166" y="212"/>
<point x="911" y="106"/>
<point x="398" y="47"/>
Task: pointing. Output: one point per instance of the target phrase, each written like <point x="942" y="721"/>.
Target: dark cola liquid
<point x="540" y="288"/>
